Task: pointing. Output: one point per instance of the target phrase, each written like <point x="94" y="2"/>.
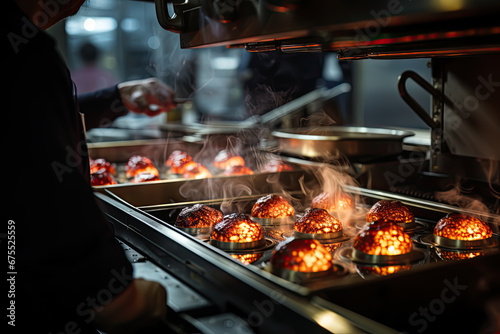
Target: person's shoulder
<point x="21" y="36"/>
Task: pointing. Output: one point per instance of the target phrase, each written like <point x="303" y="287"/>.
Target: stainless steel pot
<point x="355" y="143"/>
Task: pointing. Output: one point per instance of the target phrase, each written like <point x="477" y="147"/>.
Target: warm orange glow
<point x="332" y="247"/>
<point x="101" y="178"/>
<point x="304" y="255"/>
<point x="196" y="171"/>
<point x="383" y="270"/>
<point x="136" y="159"/>
<point x="272" y="206"/>
<point x="247" y="258"/>
<point x="198" y="216"/>
<point x="282" y="8"/>
<point x="177" y="161"/>
<point x="381" y="238"/>
<point x="238" y="170"/>
<point x="416" y="37"/>
<point x="139" y="169"/>
<point x="390" y="211"/>
<point x="462" y="227"/>
<point x="225" y="159"/>
<point x="317" y="221"/>
<point x="452" y="256"/>
<point x="333" y="202"/>
<point x="145" y="177"/>
<point x="237" y="227"/>
<point x="97" y="164"/>
<point x="276" y="166"/>
<point x="181" y="169"/>
<point x="139" y="164"/>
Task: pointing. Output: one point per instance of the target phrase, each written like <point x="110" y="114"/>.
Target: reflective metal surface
<point x="363" y="258"/>
<point x="355" y="29"/>
<point x="233" y="246"/>
<point x="460" y="244"/>
<point x="338" y="141"/>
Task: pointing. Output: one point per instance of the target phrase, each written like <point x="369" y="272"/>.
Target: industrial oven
<point x="441" y="271"/>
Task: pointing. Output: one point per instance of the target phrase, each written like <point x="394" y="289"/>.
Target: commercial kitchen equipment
<point x="441" y="289"/>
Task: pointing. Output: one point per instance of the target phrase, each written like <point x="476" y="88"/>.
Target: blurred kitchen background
<point x="127" y="43"/>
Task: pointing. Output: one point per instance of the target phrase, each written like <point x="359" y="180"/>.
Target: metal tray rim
<point x="362" y="133"/>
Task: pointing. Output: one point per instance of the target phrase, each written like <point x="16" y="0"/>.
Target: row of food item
<point x="138" y="169"/>
<point x="385" y="234"/>
<point x="141" y="169"/>
<point x="383" y="247"/>
<point x="320" y="217"/>
<point x="271" y="206"/>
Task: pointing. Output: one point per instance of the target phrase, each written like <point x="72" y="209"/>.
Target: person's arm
<point x="141" y="306"/>
<point x="147" y="96"/>
<point x="101" y="107"/>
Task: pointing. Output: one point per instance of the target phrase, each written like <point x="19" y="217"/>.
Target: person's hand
<point x="141" y="306"/>
<point x="147" y="96"/>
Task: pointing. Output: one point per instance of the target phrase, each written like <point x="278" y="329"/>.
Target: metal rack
<point x="356" y="29"/>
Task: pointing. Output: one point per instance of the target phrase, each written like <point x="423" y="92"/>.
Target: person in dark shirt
<point x="71" y="274"/>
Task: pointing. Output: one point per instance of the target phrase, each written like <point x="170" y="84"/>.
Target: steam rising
<point x="334" y="179"/>
<point x="459" y="195"/>
<point x="454" y="196"/>
<point x="238" y="194"/>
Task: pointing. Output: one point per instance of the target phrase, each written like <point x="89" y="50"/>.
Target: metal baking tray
<point x="156" y="210"/>
<point x="164" y="193"/>
<point x="164" y="200"/>
<point x="202" y="151"/>
<point x="156" y="150"/>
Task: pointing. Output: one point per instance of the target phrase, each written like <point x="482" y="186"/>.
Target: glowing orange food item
<point x="276" y="166"/>
<point x="225" y="159"/>
<point x="145" y="177"/>
<point x="143" y="169"/>
<point x="139" y="164"/>
<point x="382" y="238"/>
<point x="237" y="227"/>
<point x="333" y="202"/>
<point x="177" y="161"/>
<point x="247" y="258"/>
<point x="317" y="221"/>
<point x="332" y="247"/>
<point x="196" y="171"/>
<point x="198" y="216"/>
<point x="177" y="156"/>
<point x="184" y="168"/>
<point x="238" y="170"/>
<point x="272" y="206"/>
<point x="462" y="227"/>
<point x="304" y="255"/>
<point x="390" y="211"/>
<point x="101" y="178"/>
<point x="135" y="159"/>
<point x="97" y="164"/>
